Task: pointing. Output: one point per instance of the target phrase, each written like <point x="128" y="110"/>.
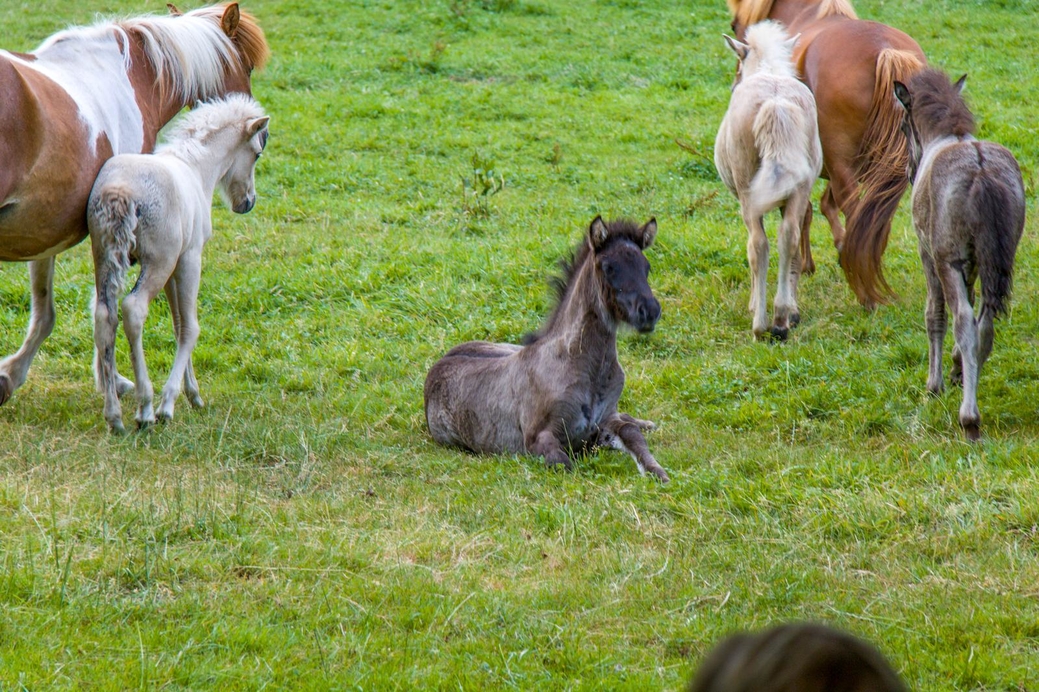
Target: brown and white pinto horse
<point x="850" y="65"/>
<point x="86" y="94"/>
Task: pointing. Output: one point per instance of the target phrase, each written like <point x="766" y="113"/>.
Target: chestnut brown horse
<point x="86" y="94"/>
<point x="850" y="65"/>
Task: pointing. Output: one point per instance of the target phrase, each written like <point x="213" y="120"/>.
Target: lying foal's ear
<point x="597" y="233"/>
<point x="174" y="12"/>
<point x="903" y="96"/>
<point x="960" y="83"/>
<point x="229" y="22"/>
<point x="740" y="49"/>
<point x="649" y="233"/>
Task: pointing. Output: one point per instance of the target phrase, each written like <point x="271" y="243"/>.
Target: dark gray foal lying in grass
<point x="558" y="392"/>
<point x="796" y="658"/>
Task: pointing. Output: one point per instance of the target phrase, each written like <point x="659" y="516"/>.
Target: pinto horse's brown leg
<point x="623" y="432"/>
<point x="15" y="368"/>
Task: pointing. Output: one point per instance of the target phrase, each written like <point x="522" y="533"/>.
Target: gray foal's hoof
<point x="6" y="389"/>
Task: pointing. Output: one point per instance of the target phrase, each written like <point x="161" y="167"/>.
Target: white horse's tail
<point x="781" y="134"/>
<point x="114" y="223"/>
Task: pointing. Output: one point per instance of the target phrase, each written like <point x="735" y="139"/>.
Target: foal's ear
<point x="740" y="49"/>
<point x="229" y="22"/>
<point x="597" y="233"/>
<point x="256" y="125"/>
<point x="174" y="12"/>
<point x="791" y="43"/>
<point x="903" y="95"/>
<point x="960" y="83"/>
<point x="649" y="232"/>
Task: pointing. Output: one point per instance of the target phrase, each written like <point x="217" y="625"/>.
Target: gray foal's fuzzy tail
<point x="995" y="242"/>
<point x="781" y="140"/>
<point x="114" y="222"/>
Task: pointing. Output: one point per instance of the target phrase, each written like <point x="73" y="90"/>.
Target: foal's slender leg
<point x="106" y="323"/>
<point x="190" y="382"/>
<point x="966" y="331"/>
<point x="545" y="444"/>
<point x="135" y="311"/>
<point x="621" y="432"/>
<point x="934" y="319"/>
<point x="186" y="279"/>
<point x="757" y="258"/>
<point x="785" y="304"/>
<point x="986" y="331"/>
<point x="15" y="368"/>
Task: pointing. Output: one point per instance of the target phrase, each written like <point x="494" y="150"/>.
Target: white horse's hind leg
<point x="135" y="311"/>
<point x="966" y="331"/>
<point x="186" y="280"/>
<point x="191" y="389"/>
<point x="757" y="258"/>
<point x="789" y="242"/>
<point x="15" y="368"/>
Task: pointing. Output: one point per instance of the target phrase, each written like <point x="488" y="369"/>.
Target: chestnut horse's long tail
<point x="883" y="179"/>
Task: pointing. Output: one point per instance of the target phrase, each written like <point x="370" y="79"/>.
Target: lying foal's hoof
<point x="6" y="389"/>
<point x="563" y="464"/>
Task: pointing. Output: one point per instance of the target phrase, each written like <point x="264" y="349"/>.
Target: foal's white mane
<point x="189" y="136"/>
<point x="191" y="50"/>
<point x="770" y="50"/>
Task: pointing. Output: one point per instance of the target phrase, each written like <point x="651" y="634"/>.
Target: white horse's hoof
<point x="123" y="386"/>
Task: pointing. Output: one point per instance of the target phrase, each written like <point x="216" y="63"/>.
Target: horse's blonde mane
<point x="843" y="8"/>
<point x="749" y="12"/>
<point x="190" y="50"/>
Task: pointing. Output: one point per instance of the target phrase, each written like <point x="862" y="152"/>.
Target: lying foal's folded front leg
<point x="545" y="444"/>
<point x="624" y="432"/>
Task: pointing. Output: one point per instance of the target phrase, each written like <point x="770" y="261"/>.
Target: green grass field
<point x="304" y="532"/>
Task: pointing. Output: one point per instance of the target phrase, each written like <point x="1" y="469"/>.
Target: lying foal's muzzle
<point x="643" y="313"/>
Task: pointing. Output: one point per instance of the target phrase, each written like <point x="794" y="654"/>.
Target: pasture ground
<point x="303" y="531"/>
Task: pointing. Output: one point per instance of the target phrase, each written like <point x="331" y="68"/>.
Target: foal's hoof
<point x="661" y="474"/>
<point x="795" y="320"/>
<point x="116" y="427"/>
<point x="6" y="389"/>
<point x="972" y="431"/>
<point x="956" y="378"/>
<point x="559" y="465"/>
<point x="145" y="425"/>
<point x="779" y="333"/>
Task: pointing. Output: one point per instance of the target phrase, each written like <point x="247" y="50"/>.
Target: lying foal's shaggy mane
<point x="938" y="106"/>
<point x="618" y="231"/>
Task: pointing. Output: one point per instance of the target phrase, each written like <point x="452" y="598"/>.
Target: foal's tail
<point x="781" y="135"/>
<point x="995" y="240"/>
<point x="113" y="222"/>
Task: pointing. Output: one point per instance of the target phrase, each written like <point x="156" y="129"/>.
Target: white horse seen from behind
<point x="768" y="154"/>
<point x="155" y="210"/>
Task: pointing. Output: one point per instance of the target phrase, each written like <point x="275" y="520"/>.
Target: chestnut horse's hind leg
<point x="838" y="196"/>
<point x="15" y="368"/>
<point x="807" y="263"/>
<point x="622" y="432"/>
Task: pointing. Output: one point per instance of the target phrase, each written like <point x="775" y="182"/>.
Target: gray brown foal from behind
<point x="559" y="391"/>
<point x="969" y="212"/>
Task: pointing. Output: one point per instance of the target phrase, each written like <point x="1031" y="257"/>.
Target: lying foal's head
<point x="623" y="271"/>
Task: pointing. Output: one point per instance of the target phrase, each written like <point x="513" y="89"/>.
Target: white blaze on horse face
<point x="92" y="70"/>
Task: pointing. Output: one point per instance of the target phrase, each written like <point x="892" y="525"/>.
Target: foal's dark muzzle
<point x="245" y="205"/>
<point x="644" y="313"/>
